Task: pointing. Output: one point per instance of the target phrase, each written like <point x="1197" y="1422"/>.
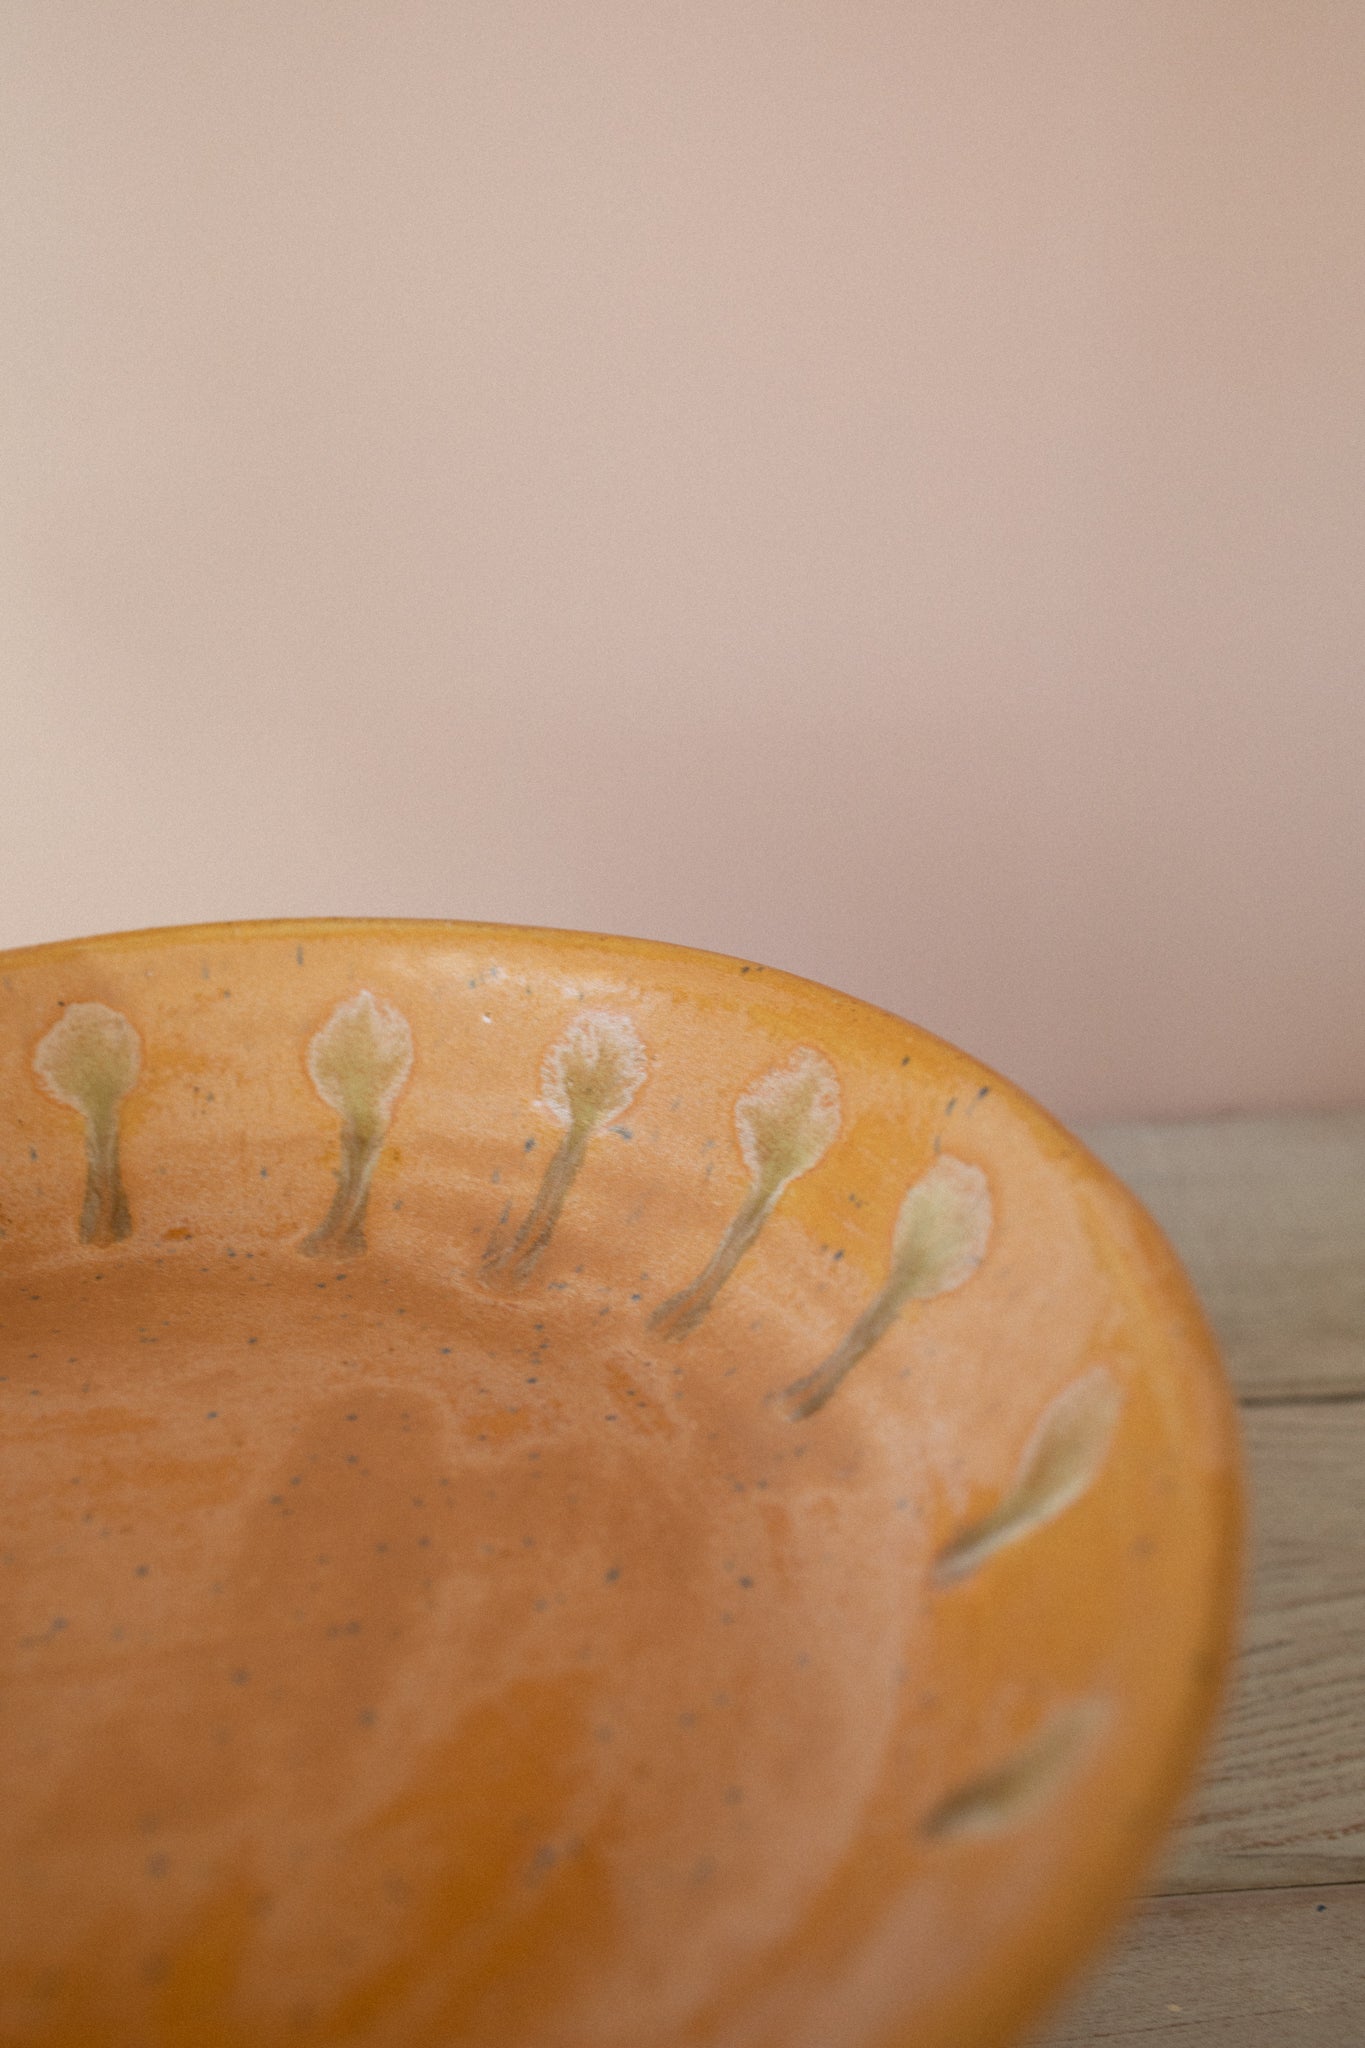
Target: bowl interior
<point x="560" y="1491"/>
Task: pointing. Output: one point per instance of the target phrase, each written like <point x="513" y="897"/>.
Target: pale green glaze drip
<point x="1060" y="1462"/>
<point x="785" y="1125"/>
<point x="939" y="1241"/>
<point x="1010" y="1794"/>
<point x="358" y="1063"/>
<point x="89" y="1061"/>
<point x="590" y="1076"/>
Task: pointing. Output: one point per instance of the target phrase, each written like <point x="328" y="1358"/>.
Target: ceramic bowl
<point x="561" y="1492"/>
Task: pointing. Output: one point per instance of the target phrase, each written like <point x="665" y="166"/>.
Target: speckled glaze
<point x="560" y="1492"/>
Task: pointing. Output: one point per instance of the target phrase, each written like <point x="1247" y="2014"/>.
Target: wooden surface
<point x="1279" y="1969"/>
<point x="1255" y="1933"/>
<point x="1268" y="1214"/>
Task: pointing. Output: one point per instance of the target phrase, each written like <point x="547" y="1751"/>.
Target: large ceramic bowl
<point x="568" y="1493"/>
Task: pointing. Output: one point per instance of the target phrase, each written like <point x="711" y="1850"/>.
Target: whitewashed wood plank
<point x="1268" y="1214"/>
<point x="1279" y="1969"/>
<point x="1283" y="1801"/>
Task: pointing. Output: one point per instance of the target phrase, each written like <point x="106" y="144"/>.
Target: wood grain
<point x="1283" y="1801"/>
<point x="1257" y="1937"/>
<point x="1282" y="1969"/>
<point x="1268" y="1214"/>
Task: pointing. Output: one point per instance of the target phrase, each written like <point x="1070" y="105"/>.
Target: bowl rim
<point x="1208" y="1685"/>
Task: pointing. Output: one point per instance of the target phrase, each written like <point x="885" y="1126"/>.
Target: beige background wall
<point x="875" y="487"/>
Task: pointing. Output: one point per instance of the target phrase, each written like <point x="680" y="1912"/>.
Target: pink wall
<point x="876" y="487"/>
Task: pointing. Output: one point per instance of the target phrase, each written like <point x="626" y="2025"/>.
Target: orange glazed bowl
<point x="561" y="1492"/>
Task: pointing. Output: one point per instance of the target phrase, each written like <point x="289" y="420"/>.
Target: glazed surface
<point x="777" y="1602"/>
